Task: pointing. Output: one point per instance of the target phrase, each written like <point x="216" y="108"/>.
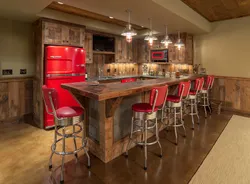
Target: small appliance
<point x="159" y="55"/>
<point x="63" y="65"/>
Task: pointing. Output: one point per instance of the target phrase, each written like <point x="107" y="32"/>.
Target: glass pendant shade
<point x="166" y="40"/>
<point x="179" y="43"/>
<point x="129" y="32"/>
<point x="150" y="37"/>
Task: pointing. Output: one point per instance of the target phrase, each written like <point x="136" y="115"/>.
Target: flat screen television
<point x="103" y="43"/>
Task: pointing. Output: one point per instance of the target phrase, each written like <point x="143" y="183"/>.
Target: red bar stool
<point x="128" y="80"/>
<point x="145" y="118"/>
<point x="64" y="117"/>
<point x="205" y="94"/>
<point x="175" y="102"/>
<point x="192" y="97"/>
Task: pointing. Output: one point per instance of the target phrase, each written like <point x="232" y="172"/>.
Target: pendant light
<point x="179" y="43"/>
<point x="129" y="32"/>
<point x="150" y="37"/>
<point x="166" y="40"/>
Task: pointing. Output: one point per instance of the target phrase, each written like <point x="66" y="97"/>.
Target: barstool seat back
<point x="50" y="97"/>
<point x="158" y="96"/>
<point x="184" y="88"/>
<point x="209" y="82"/>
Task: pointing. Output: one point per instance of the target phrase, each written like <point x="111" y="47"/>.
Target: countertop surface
<point x="102" y="91"/>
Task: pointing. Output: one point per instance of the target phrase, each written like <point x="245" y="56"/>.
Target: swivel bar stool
<point x="205" y="94"/>
<point x="175" y="102"/>
<point x="145" y="118"/>
<point x="64" y="117"/>
<point x="192" y="97"/>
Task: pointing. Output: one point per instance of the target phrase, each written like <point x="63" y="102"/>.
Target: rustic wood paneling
<point x="233" y="92"/>
<point x="16" y="98"/>
<point x="216" y="10"/>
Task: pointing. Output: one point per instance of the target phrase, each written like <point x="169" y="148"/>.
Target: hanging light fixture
<point x="179" y="43"/>
<point x="129" y="32"/>
<point x="150" y="37"/>
<point x="166" y="40"/>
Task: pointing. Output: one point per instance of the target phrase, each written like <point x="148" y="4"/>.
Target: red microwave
<point x="159" y="55"/>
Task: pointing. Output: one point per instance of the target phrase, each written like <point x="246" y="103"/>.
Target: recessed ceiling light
<point x="142" y="26"/>
<point x="111" y="17"/>
<point x="60" y="2"/>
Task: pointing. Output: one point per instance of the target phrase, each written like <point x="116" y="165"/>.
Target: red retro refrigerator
<point x="63" y="65"/>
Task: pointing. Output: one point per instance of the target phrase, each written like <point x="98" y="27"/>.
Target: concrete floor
<point x="25" y="151"/>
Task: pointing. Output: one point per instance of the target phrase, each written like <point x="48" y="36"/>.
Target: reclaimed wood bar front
<point x="108" y="111"/>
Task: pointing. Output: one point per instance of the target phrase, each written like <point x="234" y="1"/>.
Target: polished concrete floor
<point x="25" y="150"/>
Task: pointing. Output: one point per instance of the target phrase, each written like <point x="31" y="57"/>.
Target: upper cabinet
<point x="124" y="51"/>
<point x="88" y="45"/>
<point x="60" y="34"/>
<point x="143" y="51"/>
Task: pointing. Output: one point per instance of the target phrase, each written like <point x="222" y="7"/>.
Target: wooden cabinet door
<point x="75" y="36"/>
<point x="52" y="33"/>
<point x="88" y="45"/>
<point x="189" y="50"/>
<point x="119" y="50"/>
<point x="143" y="54"/>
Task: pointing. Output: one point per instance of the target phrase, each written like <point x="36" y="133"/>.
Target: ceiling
<point x="174" y="13"/>
<point x="217" y="10"/>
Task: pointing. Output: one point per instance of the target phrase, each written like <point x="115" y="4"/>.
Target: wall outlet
<point x="7" y="72"/>
<point x="23" y="71"/>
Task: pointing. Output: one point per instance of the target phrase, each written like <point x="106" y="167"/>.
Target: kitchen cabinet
<point x="143" y="51"/>
<point x="88" y="45"/>
<point x="60" y="34"/>
<point x="124" y="51"/>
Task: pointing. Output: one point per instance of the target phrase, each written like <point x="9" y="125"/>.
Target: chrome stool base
<point x="175" y="124"/>
<point x="64" y="136"/>
<point x="193" y="109"/>
<point x="206" y="103"/>
<point x="141" y="123"/>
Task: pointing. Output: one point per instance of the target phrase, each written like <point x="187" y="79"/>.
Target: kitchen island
<point x="108" y="110"/>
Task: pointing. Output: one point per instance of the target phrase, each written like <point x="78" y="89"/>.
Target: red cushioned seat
<point x="192" y="92"/>
<point x="173" y="98"/>
<point x="67" y="112"/>
<point x="143" y="107"/>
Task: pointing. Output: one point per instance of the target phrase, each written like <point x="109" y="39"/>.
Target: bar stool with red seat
<point x="176" y="101"/>
<point x="145" y="118"/>
<point x="205" y="94"/>
<point x="64" y="117"/>
<point x="128" y="80"/>
<point x="192" y="97"/>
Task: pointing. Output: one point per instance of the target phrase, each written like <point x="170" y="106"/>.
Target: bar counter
<point x="108" y="110"/>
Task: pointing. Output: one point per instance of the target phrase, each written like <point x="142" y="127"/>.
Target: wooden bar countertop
<point x="104" y="91"/>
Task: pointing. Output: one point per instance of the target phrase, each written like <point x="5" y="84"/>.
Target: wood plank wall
<point x="234" y="92"/>
<point x="16" y="98"/>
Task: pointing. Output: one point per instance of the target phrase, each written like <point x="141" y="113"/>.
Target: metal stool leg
<point x="84" y="143"/>
<point x="130" y="137"/>
<point x="208" y="103"/>
<point x="204" y="104"/>
<point x="192" y="111"/>
<point x="63" y="148"/>
<point x="76" y="156"/>
<point x="53" y="147"/>
<point x="145" y="145"/>
<point x="196" y="110"/>
<point x="182" y="121"/>
<point x="157" y="136"/>
<point x="175" y="127"/>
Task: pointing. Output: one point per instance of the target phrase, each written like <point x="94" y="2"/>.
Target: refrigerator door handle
<point x="82" y="65"/>
<point x="64" y="75"/>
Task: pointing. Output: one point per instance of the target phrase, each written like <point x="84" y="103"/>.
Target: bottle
<point x="86" y="75"/>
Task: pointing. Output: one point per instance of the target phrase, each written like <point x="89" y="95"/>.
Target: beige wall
<point x="226" y="50"/>
<point x="16" y="47"/>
